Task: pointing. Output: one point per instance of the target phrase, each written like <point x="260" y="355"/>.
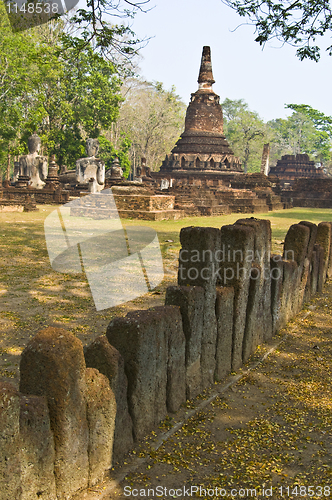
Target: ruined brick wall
<point x="313" y="193"/>
<point x="80" y="410"/>
<point x="42" y="196"/>
<point x="144" y="203"/>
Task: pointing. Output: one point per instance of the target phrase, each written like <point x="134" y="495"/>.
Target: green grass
<point x="34" y="296"/>
<point x="281" y="220"/>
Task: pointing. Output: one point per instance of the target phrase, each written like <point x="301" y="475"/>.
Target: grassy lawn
<point x="281" y="220"/>
<point x="34" y="296"/>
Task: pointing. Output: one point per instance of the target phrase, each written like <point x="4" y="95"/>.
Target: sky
<point x="265" y="79"/>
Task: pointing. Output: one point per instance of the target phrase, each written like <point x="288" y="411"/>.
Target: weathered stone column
<point x="100" y="354"/>
<point x="190" y="299"/>
<point x="329" y="269"/>
<point x="198" y="265"/>
<point x="289" y="299"/>
<point x="314" y="265"/>
<point x="254" y="332"/>
<point x="261" y="257"/>
<point x="225" y="319"/>
<point x="176" y="357"/>
<point x="10" y="468"/>
<point x="152" y="344"/>
<point x="277" y="269"/>
<point x="324" y="240"/>
<point x="321" y="267"/>
<point x="296" y="248"/>
<point x="313" y="235"/>
<point x="37" y="455"/>
<point x="312" y="240"/>
<point x="53" y="365"/>
<point x="259" y="319"/>
<point x="296" y="243"/>
<point x="237" y="244"/>
<point x="101" y="411"/>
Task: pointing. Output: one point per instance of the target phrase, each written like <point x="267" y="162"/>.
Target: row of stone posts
<point x="79" y="410"/>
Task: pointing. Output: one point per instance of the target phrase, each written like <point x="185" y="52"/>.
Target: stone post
<point x="37" y="455"/>
<point x="102" y="355"/>
<point x="225" y="319"/>
<point x="312" y="240"/>
<point x="277" y="268"/>
<point x="101" y="411"/>
<point x="289" y="299"/>
<point x="10" y="473"/>
<point x="52" y="365"/>
<point x="324" y="240"/>
<point x="152" y="345"/>
<point x="237" y="244"/>
<point x="296" y="248"/>
<point x="190" y="299"/>
<point x="259" y="318"/>
<point x="198" y="266"/>
<point x="314" y="264"/>
<point x="320" y="254"/>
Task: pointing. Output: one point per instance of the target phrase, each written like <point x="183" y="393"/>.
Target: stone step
<point x="276" y="206"/>
<point x="215" y="210"/>
<point x="152" y="215"/>
<point x="255" y="202"/>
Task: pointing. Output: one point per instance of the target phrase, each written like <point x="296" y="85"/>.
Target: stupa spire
<point x="203" y="146"/>
<point x="205" y="77"/>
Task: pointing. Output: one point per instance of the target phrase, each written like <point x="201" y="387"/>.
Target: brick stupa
<point x="202" y="147"/>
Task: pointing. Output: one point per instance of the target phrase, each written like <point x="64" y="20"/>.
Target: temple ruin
<point x="201" y="175"/>
<point x="202" y="171"/>
<point x="202" y="148"/>
<point x="293" y="167"/>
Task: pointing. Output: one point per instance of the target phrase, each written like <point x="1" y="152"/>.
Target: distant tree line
<point x="306" y="130"/>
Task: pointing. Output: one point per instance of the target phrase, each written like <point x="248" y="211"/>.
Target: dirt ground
<point x="270" y="429"/>
<point x="34" y="296"/>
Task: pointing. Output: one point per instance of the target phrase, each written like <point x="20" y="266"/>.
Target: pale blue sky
<point x="266" y="79"/>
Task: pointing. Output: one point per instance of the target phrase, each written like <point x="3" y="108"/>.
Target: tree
<point x="152" y="118"/>
<point x="245" y="132"/>
<point x="322" y="141"/>
<point x="17" y="62"/>
<point x="108" y="153"/>
<point x="305" y="131"/>
<point x="79" y="99"/>
<point x="96" y="24"/>
<point x="64" y="95"/>
<point x="110" y="39"/>
<point x="296" y="22"/>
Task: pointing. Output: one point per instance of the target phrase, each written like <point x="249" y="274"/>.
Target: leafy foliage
<point x="153" y="119"/>
<point x="108" y="153"/>
<point x="115" y="41"/>
<point x="245" y="132"/>
<point x="46" y="86"/>
<point x="15" y="85"/>
<point x="298" y="23"/>
<point x="307" y="130"/>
